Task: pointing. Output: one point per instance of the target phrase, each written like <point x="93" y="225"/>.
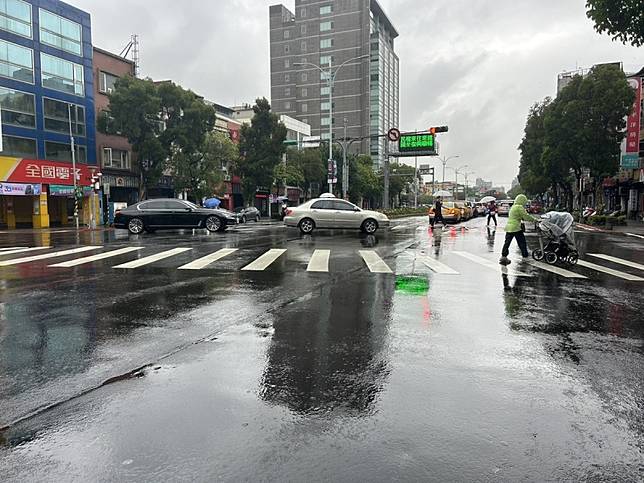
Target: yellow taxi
<point x="451" y="212"/>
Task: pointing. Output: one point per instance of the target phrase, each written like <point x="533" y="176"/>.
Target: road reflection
<point x="334" y="359"/>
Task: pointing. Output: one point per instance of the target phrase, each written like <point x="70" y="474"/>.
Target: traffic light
<point x="434" y="130"/>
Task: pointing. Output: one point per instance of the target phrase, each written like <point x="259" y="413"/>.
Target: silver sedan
<point x="329" y="212"/>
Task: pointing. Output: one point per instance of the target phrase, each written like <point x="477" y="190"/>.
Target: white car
<point x="330" y="212"/>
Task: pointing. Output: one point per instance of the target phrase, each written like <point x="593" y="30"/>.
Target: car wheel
<point x="135" y="226"/>
<point x="551" y="258"/>
<point x="369" y="226"/>
<point x="214" y="223"/>
<point x="537" y="254"/>
<point x="307" y="225"/>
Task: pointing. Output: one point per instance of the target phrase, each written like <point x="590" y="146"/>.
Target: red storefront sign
<point x="633" y="120"/>
<point x="19" y="170"/>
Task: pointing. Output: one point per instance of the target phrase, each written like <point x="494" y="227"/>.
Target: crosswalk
<point x="319" y="261"/>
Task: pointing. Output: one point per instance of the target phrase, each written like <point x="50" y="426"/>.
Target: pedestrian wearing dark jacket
<point x="438" y="212"/>
<point x="491" y="212"/>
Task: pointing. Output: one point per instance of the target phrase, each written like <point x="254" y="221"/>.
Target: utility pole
<point x="345" y="166"/>
<point x="415" y="181"/>
<point x="444" y="161"/>
<point x="71" y="137"/>
<point x="385" y="194"/>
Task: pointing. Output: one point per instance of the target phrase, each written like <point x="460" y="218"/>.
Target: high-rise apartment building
<point x="323" y="35"/>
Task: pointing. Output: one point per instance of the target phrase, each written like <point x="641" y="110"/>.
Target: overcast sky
<point x="475" y="65"/>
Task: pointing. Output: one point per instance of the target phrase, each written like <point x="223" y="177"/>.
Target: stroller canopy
<point x="559" y="223"/>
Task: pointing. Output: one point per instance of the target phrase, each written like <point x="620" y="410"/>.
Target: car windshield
<point x="448" y="204"/>
<point x="191" y="205"/>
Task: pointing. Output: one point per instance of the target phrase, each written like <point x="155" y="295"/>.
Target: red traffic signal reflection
<point x="434" y="130"/>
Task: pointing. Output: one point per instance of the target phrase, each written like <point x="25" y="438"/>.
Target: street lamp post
<point x="456" y="171"/>
<point x="71" y="138"/>
<point x="444" y="161"/>
<point x="330" y="75"/>
<point x="466" y="174"/>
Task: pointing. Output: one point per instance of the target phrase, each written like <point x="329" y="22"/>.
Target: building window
<point x="62" y="75"/>
<point x="60" y="32"/>
<point x="305" y="107"/>
<point x="303" y="45"/>
<point x="16" y="62"/>
<point x="325" y="121"/>
<point x="325" y="106"/>
<point x="287" y="91"/>
<point x="325" y="91"/>
<point x="106" y="82"/>
<point x="287" y="63"/>
<point x="326" y="9"/>
<point x="287" y="49"/>
<point x="326" y="43"/>
<point x="302" y="12"/>
<point x="63" y="152"/>
<point x="18" y="108"/>
<point x="19" y="147"/>
<point x="287" y="78"/>
<point x="324" y="75"/>
<point x="326" y="59"/>
<point x="15" y="16"/>
<point x="305" y="77"/>
<point x="303" y="29"/>
<point x="287" y="105"/>
<point x="287" y="34"/>
<point x="116" y="158"/>
<point x="56" y="114"/>
<point x="326" y="26"/>
<point x="325" y="135"/>
<point x="305" y="92"/>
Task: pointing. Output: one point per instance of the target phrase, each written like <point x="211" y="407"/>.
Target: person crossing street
<point x="438" y="213"/>
<point x="491" y="212"/>
<point x="514" y="229"/>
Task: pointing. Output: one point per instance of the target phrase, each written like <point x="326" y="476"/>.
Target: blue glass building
<point x="45" y="76"/>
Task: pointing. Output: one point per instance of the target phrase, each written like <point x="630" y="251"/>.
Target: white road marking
<point x="12" y="248"/>
<point x="437" y="266"/>
<point x="635" y="235"/>
<point x="621" y="261"/>
<point x="610" y="271"/>
<point x="203" y="262"/>
<point x="490" y="264"/>
<point x="16" y="261"/>
<point x="558" y="270"/>
<point x="21" y="250"/>
<point x="374" y="262"/>
<point x="265" y="260"/>
<point x="94" y="258"/>
<point x="153" y="258"/>
<point x="319" y="261"/>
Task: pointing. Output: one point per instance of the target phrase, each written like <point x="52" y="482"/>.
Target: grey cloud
<point x="475" y="65"/>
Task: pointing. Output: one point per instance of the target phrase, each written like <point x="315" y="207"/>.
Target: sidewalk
<point x="634" y="228"/>
<point x="58" y="229"/>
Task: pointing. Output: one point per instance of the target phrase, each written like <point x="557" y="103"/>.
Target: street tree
<point x="135" y="112"/>
<point x="364" y="183"/>
<point x="533" y="175"/>
<point x="623" y="19"/>
<point x="585" y="124"/>
<point x="400" y="177"/>
<point x="261" y="148"/>
<point x="289" y="174"/>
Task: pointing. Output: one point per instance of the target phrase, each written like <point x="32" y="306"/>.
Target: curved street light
<point x="329" y="75"/>
<point x="444" y="161"/>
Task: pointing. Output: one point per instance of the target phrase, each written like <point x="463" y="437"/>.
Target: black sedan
<point x="160" y="214"/>
<point x="246" y="214"/>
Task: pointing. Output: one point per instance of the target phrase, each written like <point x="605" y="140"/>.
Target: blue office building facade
<point x="46" y="66"/>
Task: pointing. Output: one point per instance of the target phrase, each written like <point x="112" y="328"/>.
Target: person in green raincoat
<point x="513" y="229"/>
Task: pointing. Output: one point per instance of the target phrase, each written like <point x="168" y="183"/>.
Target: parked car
<point x="450" y="212"/>
<point x="161" y="214"/>
<point x="466" y="211"/>
<point x="480" y="209"/>
<point x="246" y="214"/>
<point x="504" y="207"/>
<point x="329" y="212"/>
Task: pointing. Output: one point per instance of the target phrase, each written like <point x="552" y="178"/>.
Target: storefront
<point x="118" y="191"/>
<point x="31" y="193"/>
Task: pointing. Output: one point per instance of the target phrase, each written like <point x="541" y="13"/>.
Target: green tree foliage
<point x="623" y="19"/>
<point x="364" y="183"/>
<point x="581" y="129"/>
<point x="200" y="173"/>
<point x="289" y="174"/>
<point x="135" y="112"/>
<point x="514" y="192"/>
<point x="401" y="175"/>
<point x="261" y="148"/>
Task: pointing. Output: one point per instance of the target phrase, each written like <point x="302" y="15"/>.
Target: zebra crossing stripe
<point x="610" y="271"/>
<point x="319" y="261"/>
<point x="558" y="270"/>
<point x="16" y="261"/>
<point x="203" y="262"/>
<point x="374" y="262"/>
<point x="94" y="258"/>
<point x="11" y="251"/>
<point x="490" y="264"/>
<point x="12" y="248"/>
<point x="153" y="258"/>
<point x="635" y="235"/>
<point x="437" y="266"/>
<point x="621" y="261"/>
<point x="264" y="261"/>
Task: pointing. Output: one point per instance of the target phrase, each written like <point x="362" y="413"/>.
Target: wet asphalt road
<point x="446" y="369"/>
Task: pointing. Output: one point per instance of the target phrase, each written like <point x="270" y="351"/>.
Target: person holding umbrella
<point x="491" y="212"/>
<point x="438" y="212"/>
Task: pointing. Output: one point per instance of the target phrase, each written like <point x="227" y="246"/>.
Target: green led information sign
<point x="416" y="142"/>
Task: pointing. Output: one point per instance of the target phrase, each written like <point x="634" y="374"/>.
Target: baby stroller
<point x="556" y="231"/>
